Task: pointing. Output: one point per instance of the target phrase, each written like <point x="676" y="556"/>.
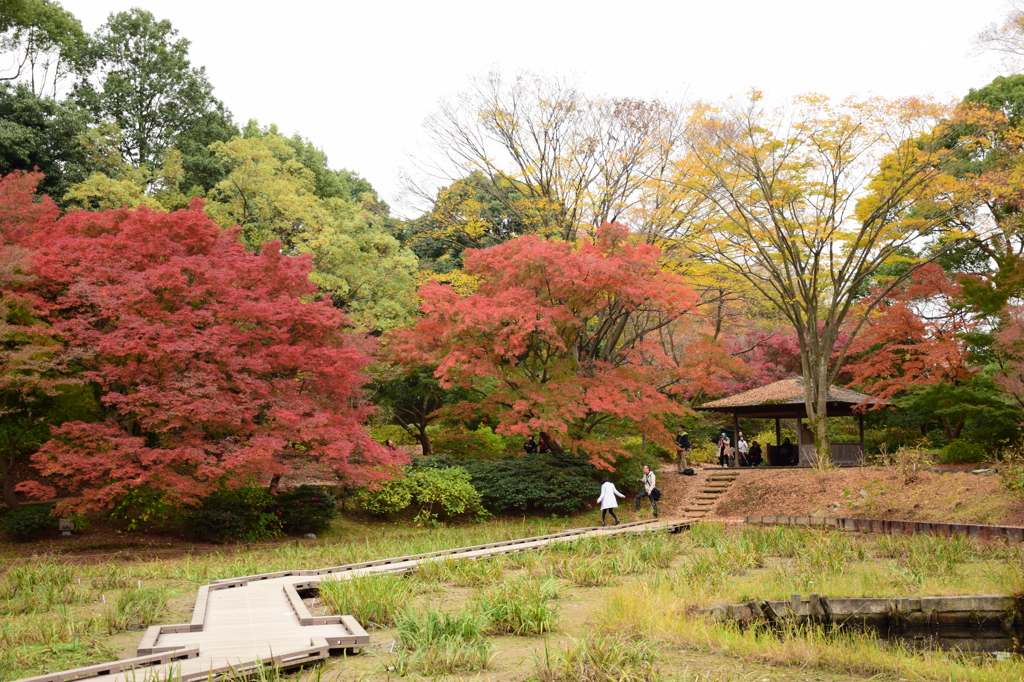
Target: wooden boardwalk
<point x="243" y="623"/>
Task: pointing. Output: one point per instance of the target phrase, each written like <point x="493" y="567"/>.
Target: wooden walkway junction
<point x="241" y="624"/>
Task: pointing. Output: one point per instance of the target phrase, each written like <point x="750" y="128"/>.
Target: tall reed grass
<point x="435" y="642"/>
<point x="375" y="601"/>
<point x="599" y="658"/>
<point x="37" y="587"/>
<point x="521" y="606"/>
<point x="135" y="608"/>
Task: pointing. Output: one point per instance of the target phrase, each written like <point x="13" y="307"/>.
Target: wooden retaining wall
<point x="970" y="623"/>
<point x="977" y="531"/>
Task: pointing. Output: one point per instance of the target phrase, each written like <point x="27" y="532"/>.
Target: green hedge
<point x="535" y="483"/>
<point x="964" y="451"/>
<point x="251" y="513"/>
<point x="29" y="520"/>
<point x="306" y="509"/>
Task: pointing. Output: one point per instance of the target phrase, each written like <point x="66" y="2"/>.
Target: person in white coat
<point x="607" y="500"/>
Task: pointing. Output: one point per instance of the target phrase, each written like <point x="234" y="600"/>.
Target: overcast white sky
<point x="358" y="78"/>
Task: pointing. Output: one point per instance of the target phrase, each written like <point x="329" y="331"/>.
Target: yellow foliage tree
<point x="805" y="202"/>
<point x="271" y="195"/>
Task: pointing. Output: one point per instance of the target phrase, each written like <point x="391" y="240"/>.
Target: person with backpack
<point x="607" y="500"/>
<point x="649" y="491"/>
<point x="682" y="448"/>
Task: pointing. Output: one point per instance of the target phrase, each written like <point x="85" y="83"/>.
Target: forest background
<point x="192" y="307"/>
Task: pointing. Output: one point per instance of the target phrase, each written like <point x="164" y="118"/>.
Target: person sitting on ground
<point x="389" y="445"/>
<point x="786" y="453"/>
<point x="607" y="500"/>
<point x="648" y="484"/>
<point x="530" y="446"/>
<point x="754" y="456"/>
<point x="542" y="447"/>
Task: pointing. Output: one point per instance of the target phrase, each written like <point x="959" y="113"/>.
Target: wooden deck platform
<point x="240" y="624"/>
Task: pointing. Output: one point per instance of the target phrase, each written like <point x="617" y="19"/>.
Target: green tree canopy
<point x="38" y="132"/>
<point x="138" y="75"/>
<point x="271" y="194"/>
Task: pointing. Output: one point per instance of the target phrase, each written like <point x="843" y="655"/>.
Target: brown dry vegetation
<point x="956" y="496"/>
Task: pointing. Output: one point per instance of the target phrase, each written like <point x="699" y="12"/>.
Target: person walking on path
<point x="607" y="500"/>
<point x="682" y="448"/>
<point x="648" y="483"/>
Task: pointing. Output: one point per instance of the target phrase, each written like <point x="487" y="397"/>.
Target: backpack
<point x="689" y="472"/>
<point x="655" y="494"/>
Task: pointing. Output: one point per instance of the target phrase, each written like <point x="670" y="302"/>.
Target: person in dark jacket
<point x="786" y="455"/>
<point x="682" y="448"/>
<point x="754" y="457"/>
<point x="530" y="446"/>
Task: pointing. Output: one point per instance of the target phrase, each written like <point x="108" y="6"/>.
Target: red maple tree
<point x="211" y="364"/>
<point x="915" y="338"/>
<point x="558" y="338"/>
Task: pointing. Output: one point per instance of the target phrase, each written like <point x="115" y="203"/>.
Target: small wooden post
<point x="735" y="439"/>
<point x="816" y="611"/>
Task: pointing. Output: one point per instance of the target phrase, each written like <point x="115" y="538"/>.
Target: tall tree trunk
<point x="424" y="439"/>
<point x="10" y="499"/>
<point x="553" y="445"/>
<point x="816" y="402"/>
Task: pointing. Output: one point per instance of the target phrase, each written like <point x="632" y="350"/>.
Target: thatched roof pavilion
<point x="785" y="400"/>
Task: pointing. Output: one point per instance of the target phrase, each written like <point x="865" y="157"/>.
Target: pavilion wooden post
<point x="860" y="419"/>
<point x="778" y="432"/>
<point x="735" y="439"/>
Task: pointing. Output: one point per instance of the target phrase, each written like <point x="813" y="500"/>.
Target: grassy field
<point x="584" y="611"/>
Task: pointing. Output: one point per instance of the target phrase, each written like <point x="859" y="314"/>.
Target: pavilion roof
<point x="785" y="392"/>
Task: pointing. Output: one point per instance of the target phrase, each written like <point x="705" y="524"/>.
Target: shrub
<point x="438" y="491"/>
<point x="629" y="469"/>
<point x="911" y="461"/>
<point x="306" y="509"/>
<point x="245" y="514"/>
<point x="963" y="451"/>
<point x="549" y="483"/>
<point x="29" y="520"/>
<point x="446" y="492"/>
<point x="397" y="434"/>
<point x="388" y="497"/>
<point x="480" y="444"/>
